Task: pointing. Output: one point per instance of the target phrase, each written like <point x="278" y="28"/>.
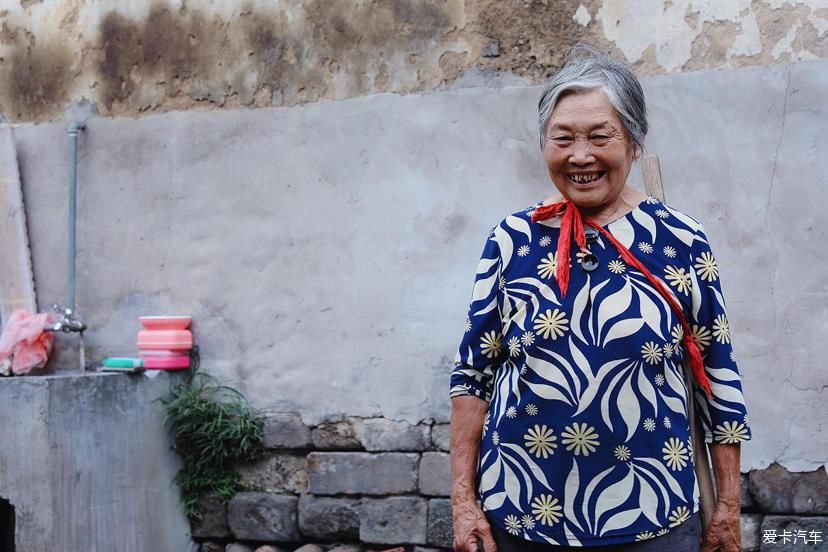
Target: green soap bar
<point x="123" y="363"/>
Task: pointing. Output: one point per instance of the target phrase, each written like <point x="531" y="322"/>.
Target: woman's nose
<point x="581" y="153"/>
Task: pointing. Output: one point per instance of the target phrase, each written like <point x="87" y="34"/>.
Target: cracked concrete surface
<point x="327" y="250"/>
<point x="133" y="58"/>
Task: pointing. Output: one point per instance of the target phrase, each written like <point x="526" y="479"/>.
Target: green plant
<point x="212" y="427"/>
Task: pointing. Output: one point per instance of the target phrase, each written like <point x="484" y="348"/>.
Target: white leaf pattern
<point x="645" y="221"/>
<point x="614" y="496"/>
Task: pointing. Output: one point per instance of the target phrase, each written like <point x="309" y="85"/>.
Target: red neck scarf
<point x="572" y="226"/>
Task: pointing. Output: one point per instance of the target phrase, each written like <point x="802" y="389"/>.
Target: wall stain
<point x="186" y="57"/>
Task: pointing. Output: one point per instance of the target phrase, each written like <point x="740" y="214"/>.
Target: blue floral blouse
<point x="586" y="441"/>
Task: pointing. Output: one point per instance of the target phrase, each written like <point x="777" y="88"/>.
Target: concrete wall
<point x="88" y="466"/>
<point x="327" y="251"/>
<point x="129" y="58"/>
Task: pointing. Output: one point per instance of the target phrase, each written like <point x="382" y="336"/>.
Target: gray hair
<point x="588" y="68"/>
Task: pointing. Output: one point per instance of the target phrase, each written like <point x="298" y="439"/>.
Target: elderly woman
<point x="569" y="423"/>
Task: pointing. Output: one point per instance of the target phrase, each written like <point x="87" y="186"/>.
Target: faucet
<point x="68" y="323"/>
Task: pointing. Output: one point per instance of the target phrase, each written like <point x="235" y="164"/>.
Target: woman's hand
<point x="723" y="533"/>
<point x="471" y="525"/>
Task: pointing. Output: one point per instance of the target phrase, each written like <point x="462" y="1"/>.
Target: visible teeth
<point x="583" y="178"/>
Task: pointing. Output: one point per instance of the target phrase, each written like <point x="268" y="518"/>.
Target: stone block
<point x="435" y="474"/>
<point x="441" y="437"/>
<point x="276" y="472"/>
<point x="362" y="473"/>
<point x="340" y="435"/>
<point x="394" y="520"/>
<point x="309" y="548"/>
<point x="211" y="547"/>
<point x="268" y="548"/>
<point x="440" y="532"/>
<point x="381" y="434"/>
<point x="346" y="548"/>
<point x="286" y="431"/>
<point x="329" y="519"/>
<point x="778" y="491"/>
<point x="751" y="532"/>
<point x="213" y="522"/>
<point x="236" y="547"/>
<point x="747" y="503"/>
<point x="791" y="531"/>
<point x="264" y="517"/>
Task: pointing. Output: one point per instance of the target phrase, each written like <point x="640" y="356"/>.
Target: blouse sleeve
<point x="723" y="415"/>
<point x="481" y="349"/>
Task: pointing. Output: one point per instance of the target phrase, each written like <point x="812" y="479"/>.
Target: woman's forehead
<point x="586" y="109"/>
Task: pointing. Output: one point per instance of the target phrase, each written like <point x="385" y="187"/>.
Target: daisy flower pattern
<point x="551" y="324"/>
<point x="622" y="453"/>
<point x="678" y="278"/>
<point x="720" y="329"/>
<point x="491" y="344"/>
<point x="675" y="454"/>
<point x="616" y="266"/>
<point x="548" y="266"/>
<point x="512" y="524"/>
<point x="546" y="509"/>
<point x="586" y="386"/>
<point x="730" y="433"/>
<point x="679" y="516"/>
<point x="663" y="531"/>
<point x="541" y="441"/>
<point x="580" y="438"/>
<point x="514" y="346"/>
<point x="651" y="352"/>
<point x="706" y="266"/>
<point x="700" y="335"/>
<point x="528" y="521"/>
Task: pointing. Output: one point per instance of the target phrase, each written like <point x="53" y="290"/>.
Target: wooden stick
<point x="17" y="289"/>
<point x="654" y="187"/>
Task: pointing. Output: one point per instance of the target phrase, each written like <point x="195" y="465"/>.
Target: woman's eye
<point x="560" y="139"/>
<point x="600" y="137"/>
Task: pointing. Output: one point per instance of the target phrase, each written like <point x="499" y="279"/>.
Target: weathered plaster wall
<point x="133" y="57"/>
<point x="327" y="250"/>
<point x="87" y="464"/>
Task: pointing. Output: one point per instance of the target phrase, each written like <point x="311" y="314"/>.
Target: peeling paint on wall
<point x="179" y="54"/>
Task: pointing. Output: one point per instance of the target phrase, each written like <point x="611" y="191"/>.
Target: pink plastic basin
<point x="165" y="322"/>
<point x="172" y="340"/>
<point x="166" y="362"/>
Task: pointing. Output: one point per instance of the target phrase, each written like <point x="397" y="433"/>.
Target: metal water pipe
<point x="74" y="129"/>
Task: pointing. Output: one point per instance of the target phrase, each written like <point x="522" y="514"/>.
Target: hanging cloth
<point x="572" y="226"/>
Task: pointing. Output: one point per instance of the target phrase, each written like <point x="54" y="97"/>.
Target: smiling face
<point x="587" y="150"/>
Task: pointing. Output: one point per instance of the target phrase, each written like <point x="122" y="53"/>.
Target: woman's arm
<point x="470" y="524"/>
<point x="723" y="532"/>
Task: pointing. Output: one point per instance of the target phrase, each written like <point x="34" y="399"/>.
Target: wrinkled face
<point x="587" y="150"/>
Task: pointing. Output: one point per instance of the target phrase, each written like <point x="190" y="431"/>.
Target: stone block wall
<point x="360" y="484"/>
